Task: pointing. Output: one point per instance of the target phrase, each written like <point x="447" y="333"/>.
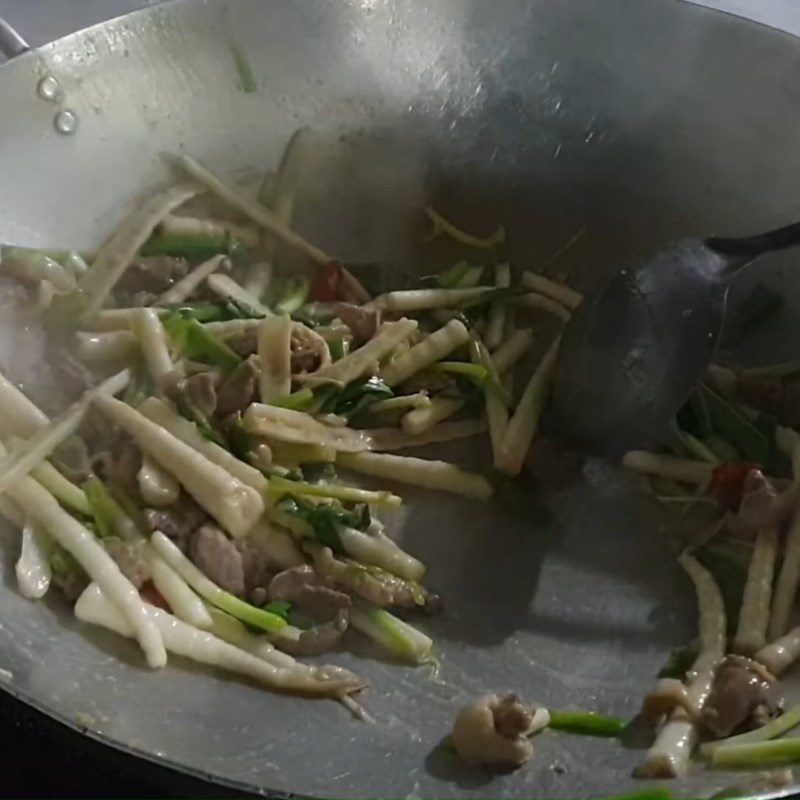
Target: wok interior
<point x="607" y="127"/>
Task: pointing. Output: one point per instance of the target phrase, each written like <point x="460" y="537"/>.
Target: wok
<point x="593" y="131"/>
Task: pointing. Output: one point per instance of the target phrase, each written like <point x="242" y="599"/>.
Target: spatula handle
<point x="746" y="249"/>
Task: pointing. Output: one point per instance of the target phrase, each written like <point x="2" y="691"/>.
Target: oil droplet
<point x="49" y="89"/>
<point x="66" y="122"/>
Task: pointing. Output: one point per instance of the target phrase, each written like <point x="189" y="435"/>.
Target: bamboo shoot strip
<point x="42" y="508"/>
<point x="555" y="291"/>
<point x="419" y="420"/>
<point x="119" y="250"/>
<point x="496" y="322"/>
<point x="149" y="331"/>
<point x="258" y="617"/>
<point x="669" y="756"/>
<point x="186" y="286"/>
<point x="542" y="303"/>
<point x="751" y="634"/>
<point x="515" y="347"/>
<point x="260" y="215"/>
<point x="782" y="653"/>
<point x="788" y="579"/>
<point x="32" y="452"/>
<point x="226" y="287"/>
<point x="274" y="358"/>
<point x="33" y="567"/>
<point x="430" y="350"/>
<point x="205" y="648"/>
<point x="394" y="439"/>
<point x="20" y="416"/>
<point x="232" y="503"/>
<point x="522" y="426"/>
<point x="297" y="427"/>
<point x="664" y="466"/>
<point x="438" y="475"/>
<point x="103" y="347"/>
<point x="354" y="365"/>
<point x="427" y="299"/>
<point x="165" y="416"/>
<point x="185" y="604"/>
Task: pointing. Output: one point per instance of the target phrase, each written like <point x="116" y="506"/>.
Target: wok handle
<point x="11" y="43"/>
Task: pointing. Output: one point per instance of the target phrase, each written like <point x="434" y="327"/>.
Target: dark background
<point x="44" y="759"/>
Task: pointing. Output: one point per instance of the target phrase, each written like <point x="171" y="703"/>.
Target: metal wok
<point x="609" y="126"/>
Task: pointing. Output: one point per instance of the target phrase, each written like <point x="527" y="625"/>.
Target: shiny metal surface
<point x="616" y="125"/>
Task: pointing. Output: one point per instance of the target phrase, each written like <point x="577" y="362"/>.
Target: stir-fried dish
<point x="205" y="493"/>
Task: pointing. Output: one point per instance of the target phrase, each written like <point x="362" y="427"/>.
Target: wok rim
<point x="132" y="752"/>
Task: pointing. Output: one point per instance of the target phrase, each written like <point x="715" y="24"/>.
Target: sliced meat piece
<point x="200" y="394"/>
<point x="178" y="521"/>
<point x="129" y="559"/>
<point x="244" y="344"/>
<point x="256" y="576"/>
<point x="317" y="640"/>
<point x="744" y="697"/>
<point x="154" y="274"/>
<point x="363" y="322"/>
<point x="238" y="389"/>
<point x="218" y="558"/>
<point x="371" y="583"/>
<point x="304" y="589"/>
<point x="763" y="393"/>
<point x="310" y="351"/>
<point x="122" y="468"/>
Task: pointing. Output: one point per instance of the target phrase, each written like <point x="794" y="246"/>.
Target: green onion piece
<point x="476" y="372"/>
<point x="279" y="608"/>
<point x="196" y="343"/>
<point x="347" y="494"/>
<point x="773" y="729"/>
<point x="247" y="80"/>
<point x="449" y="278"/>
<point x="696" y="448"/>
<point x="398" y="637"/>
<point x="322" y="519"/>
<point x="587" y="723"/>
<point x="757" y="754"/>
<point x="442" y="225"/>
<point x="203" y="312"/>
<point x="339" y="347"/>
<point x="297" y="401"/>
<point x="358" y="395"/>
<point x="192" y="247"/>
<point x="655" y="793"/>
<point x="754" y="444"/>
<point x="107" y="513"/>
<point x="294" y="295"/>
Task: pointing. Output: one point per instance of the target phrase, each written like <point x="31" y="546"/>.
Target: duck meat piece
<point x="154" y="274"/>
<point x="303" y="588"/>
<point x="178" y="521"/>
<point x="123" y="469"/>
<point x="309" y="351"/>
<point x="745" y="696"/>
<point x="218" y="557"/>
<point x="199" y="394"/>
<point x="317" y="640"/>
<point x="371" y="583"/>
<point x="363" y="322"/>
<point x="244" y="344"/>
<point x="238" y="389"/>
<point x="256" y="575"/>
